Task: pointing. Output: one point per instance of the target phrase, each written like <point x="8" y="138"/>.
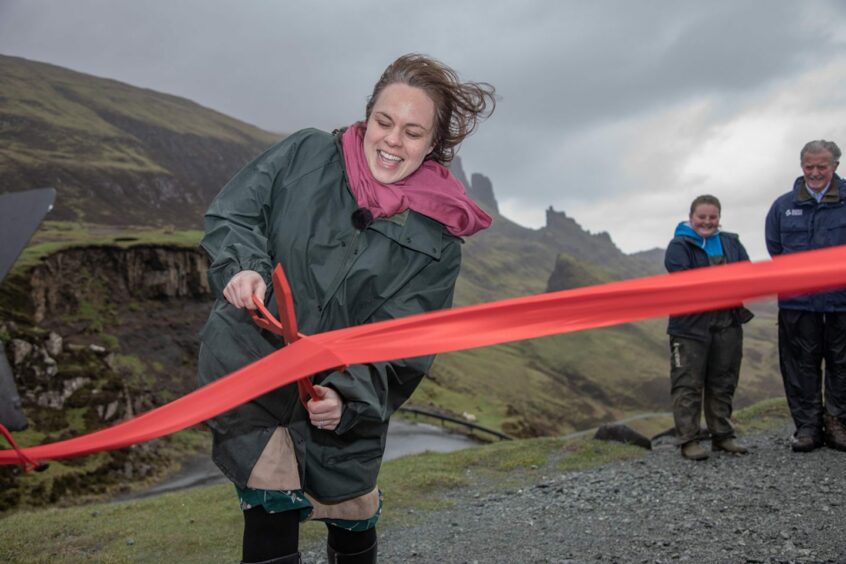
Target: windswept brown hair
<point x="459" y="106"/>
<point x="705" y="199"/>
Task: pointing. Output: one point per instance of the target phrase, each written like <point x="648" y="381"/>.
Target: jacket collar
<point x="414" y="231"/>
<point x="836" y="191"/>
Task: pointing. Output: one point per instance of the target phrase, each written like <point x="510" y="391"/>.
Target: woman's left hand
<point x="325" y="413"/>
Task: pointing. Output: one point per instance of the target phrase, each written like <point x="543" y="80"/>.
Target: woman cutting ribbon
<point x="367" y="224"/>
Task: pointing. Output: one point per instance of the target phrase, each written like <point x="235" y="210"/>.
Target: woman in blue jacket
<point x="705" y="348"/>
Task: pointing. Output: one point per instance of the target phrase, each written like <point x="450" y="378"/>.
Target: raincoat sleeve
<point x="677" y="257"/>
<point x="236" y="222"/>
<point x="742" y="255"/>
<point x="772" y="230"/>
<point x="372" y="392"/>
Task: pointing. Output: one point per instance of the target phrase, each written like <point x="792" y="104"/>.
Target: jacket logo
<point x="793" y="212"/>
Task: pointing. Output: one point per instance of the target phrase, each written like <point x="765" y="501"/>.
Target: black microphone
<point x="361" y="218"/>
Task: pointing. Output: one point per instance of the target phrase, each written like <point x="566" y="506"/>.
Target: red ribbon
<point x="28" y="464"/>
<point x="465" y="328"/>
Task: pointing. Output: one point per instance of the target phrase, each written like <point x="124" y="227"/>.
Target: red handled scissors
<point x="285" y="326"/>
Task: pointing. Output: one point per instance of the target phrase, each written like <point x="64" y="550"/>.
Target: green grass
<point x="588" y="454"/>
<point x="197" y="526"/>
<point x="129" y="363"/>
<point x="651" y="426"/>
<point x="555" y="383"/>
<point x="204" y="524"/>
<point x="54" y="236"/>
<point x="93" y="313"/>
<point x="110" y="341"/>
<point x="762" y="416"/>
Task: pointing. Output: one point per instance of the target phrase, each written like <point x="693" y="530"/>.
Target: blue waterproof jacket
<point x="796" y="222"/>
<point x="684" y="253"/>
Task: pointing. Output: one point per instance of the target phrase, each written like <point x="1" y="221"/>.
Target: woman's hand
<point x="241" y="287"/>
<point x="325" y="413"/>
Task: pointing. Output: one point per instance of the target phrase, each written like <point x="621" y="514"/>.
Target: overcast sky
<point x="617" y="112"/>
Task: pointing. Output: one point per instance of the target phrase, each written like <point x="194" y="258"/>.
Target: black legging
<point x="349" y="542"/>
<point x="269" y="535"/>
<point x="273" y="535"/>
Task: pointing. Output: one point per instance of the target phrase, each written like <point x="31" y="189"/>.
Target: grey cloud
<point x="650" y="54"/>
<point x="566" y="71"/>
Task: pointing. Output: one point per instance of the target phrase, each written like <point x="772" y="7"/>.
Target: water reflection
<point x="404" y="438"/>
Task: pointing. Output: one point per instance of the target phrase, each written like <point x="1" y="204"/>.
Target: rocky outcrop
<point x="594" y="248"/>
<point x="479" y="187"/>
<point x="618" y="432"/>
<point x="481" y="190"/>
<point x="53" y="377"/>
<point x="105" y="333"/>
<point x="66" y="280"/>
<point x="570" y="273"/>
<point x="653" y="257"/>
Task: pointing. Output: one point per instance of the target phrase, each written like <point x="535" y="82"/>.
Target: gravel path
<point x="769" y="506"/>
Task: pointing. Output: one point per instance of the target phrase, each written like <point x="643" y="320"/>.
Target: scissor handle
<point x="266" y="319"/>
<point x="285" y="326"/>
<point x="285" y="301"/>
<point x="306" y="390"/>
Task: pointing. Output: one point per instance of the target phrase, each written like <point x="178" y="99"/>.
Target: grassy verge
<point x="763" y="416"/>
<point x="204" y="524"/>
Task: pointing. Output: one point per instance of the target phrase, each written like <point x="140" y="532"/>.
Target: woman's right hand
<point x="241" y="287"/>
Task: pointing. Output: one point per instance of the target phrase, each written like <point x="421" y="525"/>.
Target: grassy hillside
<point x="116" y="154"/>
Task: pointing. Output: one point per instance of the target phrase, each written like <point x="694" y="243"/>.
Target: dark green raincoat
<point x="292" y="205"/>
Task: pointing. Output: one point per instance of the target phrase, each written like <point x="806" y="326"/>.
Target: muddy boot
<point x="694" y="451"/>
<point x="364" y="557"/>
<point x="835" y="432"/>
<point x="805" y="442"/>
<point x="729" y="445"/>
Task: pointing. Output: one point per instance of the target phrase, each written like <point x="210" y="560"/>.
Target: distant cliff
<point x="479" y="187"/>
<point x="64" y="281"/>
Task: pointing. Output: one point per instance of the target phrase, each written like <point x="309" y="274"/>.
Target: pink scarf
<point x="431" y="190"/>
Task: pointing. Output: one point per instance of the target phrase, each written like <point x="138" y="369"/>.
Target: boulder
<point x="622" y="434"/>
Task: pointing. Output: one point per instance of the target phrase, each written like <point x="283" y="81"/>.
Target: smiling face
<point x="399" y="132"/>
<point x="818" y="169"/>
<point x="705" y="219"/>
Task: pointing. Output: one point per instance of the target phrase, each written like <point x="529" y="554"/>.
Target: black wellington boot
<point x="367" y="556"/>
<point x="294" y="558"/>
